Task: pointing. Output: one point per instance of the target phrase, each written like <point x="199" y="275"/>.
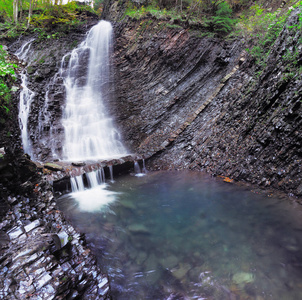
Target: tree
<point x="222" y="21"/>
<point x="30" y="12"/>
<point x="15" y="10"/>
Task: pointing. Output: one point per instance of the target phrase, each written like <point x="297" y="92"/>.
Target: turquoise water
<point x="185" y="235"/>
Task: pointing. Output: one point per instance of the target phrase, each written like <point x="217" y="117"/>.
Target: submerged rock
<point x="181" y="272"/>
<point x="127" y="204"/>
<point x="138" y="229"/>
<point x="169" y="262"/>
<point x="243" y="278"/>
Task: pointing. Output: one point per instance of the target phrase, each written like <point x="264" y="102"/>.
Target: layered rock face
<point x="192" y="102"/>
<point x="42" y="256"/>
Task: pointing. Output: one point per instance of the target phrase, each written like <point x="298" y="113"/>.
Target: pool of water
<point x="185" y="235"/>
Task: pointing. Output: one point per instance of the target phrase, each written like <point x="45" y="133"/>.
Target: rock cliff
<point x="186" y="101"/>
<point x="183" y="100"/>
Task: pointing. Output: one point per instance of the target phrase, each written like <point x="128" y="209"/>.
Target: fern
<point x="223" y="21"/>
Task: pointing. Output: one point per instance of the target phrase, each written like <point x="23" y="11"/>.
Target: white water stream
<point x="26" y="98"/>
<point x="90" y="133"/>
<point x="97" y="197"/>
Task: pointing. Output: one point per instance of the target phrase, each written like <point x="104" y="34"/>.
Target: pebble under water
<point x="185" y="235"/>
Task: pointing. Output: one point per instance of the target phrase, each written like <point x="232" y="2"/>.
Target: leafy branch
<point x="7" y="76"/>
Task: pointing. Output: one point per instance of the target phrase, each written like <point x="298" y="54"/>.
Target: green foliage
<point x="264" y="30"/>
<point x="11" y="30"/>
<point x="222" y="21"/>
<point x="137" y="13"/>
<point x="55" y="14"/>
<point x="267" y="28"/>
<point x="7" y="76"/>
<point x="6" y="10"/>
<point x="46" y="15"/>
<point x="98" y="6"/>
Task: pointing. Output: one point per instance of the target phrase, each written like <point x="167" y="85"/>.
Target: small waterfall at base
<point x="89" y="131"/>
<point x="144" y="169"/>
<point x="111" y="173"/>
<point x="137" y="169"/>
<point x="94" y="179"/>
<point x="96" y="197"/>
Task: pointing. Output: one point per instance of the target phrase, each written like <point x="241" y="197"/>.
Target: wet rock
<point x="205" y="109"/>
<point x="151" y="263"/>
<point x="181" y="271"/>
<point x="127" y="204"/>
<point x="32" y="225"/>
<point x="36" y="257"/>
<point x="141" y="257"/>
<point x="169" y="262"/>
<point x="195" y="273"/>
<point x="63" y="236"/>
<point x="243" y="278"/>
<point x="138" y="229"/>
<point x="53" y="167"/>
<point x="42" y="280"/>
<point x="15" y="232"/>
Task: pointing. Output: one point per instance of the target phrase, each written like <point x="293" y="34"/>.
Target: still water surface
<point x="185" y="235"/>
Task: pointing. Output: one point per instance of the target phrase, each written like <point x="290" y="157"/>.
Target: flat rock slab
<point x="53" y="167"/>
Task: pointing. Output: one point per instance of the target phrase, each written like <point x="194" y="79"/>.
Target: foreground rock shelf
<point x="42" y="256"/>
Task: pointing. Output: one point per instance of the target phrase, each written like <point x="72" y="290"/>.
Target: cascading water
<point x="26" y="98"/>
<point x="97" y="197"/>
<point x="22" y="52"/>
<point x="89" y="131"/>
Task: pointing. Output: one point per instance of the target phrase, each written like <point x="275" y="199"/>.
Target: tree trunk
<point x="21" y="8"/>
<point x="30" y="12"/>
<point x="15" y="10"/>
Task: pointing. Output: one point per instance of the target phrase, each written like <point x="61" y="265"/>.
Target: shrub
<point x="222" y="22"/>
<point x="7" y="76"/>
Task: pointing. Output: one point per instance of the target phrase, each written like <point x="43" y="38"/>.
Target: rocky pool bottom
<point x="185" y="235"/>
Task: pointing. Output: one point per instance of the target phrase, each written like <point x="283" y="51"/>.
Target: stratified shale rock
<point x="41" y="255"/>
<point x="196" y="102"/>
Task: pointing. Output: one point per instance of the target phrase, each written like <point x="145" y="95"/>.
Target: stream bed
<point x="186" y="235"/>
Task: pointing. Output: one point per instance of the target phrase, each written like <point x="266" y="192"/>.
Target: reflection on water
<point x="187" y="236"/>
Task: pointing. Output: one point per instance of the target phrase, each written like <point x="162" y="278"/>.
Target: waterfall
<point x="90" y="133"/>
<point x="21" y="53"/>
<point x="94" y="179"/>
<point x="97" y="197"/>
<point x="144" y="169"/>
<point x="26" y="98"/>
<point x="137" y="169"/>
